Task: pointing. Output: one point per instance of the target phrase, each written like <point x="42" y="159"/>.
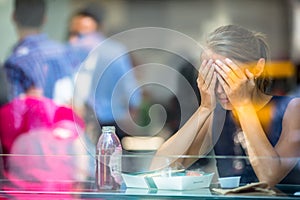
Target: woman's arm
<point x="272" y="164"/>
<point x="191" y="136"/>
<point x="188" y="140"/>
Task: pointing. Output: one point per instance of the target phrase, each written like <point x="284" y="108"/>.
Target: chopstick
<point x="159" y="173"/>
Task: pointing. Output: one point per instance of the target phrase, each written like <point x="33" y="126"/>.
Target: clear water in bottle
<point x="108" y="162"/>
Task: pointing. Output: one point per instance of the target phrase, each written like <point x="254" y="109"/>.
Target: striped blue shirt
<point x="37" y="61"/>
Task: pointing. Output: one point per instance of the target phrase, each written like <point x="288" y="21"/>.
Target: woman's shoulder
<point x="294" y="104"/>
<point x="285" y="100"/>
<point x="290" y="105"/>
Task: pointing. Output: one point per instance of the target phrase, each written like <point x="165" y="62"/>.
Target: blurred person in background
<point x="255" y="134"/>
<point x="104" y="67"/>
<point x="36" y="59"/>
<point x="44" y="144"/>
<point x="38" y="118"/>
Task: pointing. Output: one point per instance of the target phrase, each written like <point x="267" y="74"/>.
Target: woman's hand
<point x="207" y="79"/>
<point x="237" y="85"/>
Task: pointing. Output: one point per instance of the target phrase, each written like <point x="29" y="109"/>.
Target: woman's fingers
<point x="225" y="71"/>
<point x="209" y="77"/>
<point x="205" y="74"/>
<point x="231" y="73"/>
<point x="235" y="68"/>
<point x="249" y="75"/>
<point x="223" y="83"/>
<point x="213" y="80"/>
<point x="226" y="75"/>
<point x="205" y="66"/>
<point x="201" y="77"/>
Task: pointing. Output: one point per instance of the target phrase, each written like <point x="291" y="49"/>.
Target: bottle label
<point x="116" y="165"/>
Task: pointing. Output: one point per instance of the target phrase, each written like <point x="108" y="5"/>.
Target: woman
<point x="263" y="127"/>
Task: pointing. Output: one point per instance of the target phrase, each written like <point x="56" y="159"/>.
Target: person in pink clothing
<point x="47" y="136"/>
<point x="29" y="112"/>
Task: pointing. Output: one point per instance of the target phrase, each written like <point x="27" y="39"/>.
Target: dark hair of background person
<point x="190" y="73"/>
<point x="94" y="11"/>
<point x="29" y="13"/>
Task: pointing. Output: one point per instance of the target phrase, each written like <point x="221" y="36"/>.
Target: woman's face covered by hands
<point x="234" y="83"/>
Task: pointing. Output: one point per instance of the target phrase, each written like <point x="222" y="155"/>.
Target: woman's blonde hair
<point x="243" y="45"/>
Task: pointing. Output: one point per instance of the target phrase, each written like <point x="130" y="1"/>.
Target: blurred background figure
<point x="85" y="27"/>
<point x="36" y="59"/>
<point x="33" y="120"/>
<point x="44" y="141"/>
<point x="102" y="70"/>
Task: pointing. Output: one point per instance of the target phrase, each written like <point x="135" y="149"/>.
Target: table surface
<point x="88" y="191"/>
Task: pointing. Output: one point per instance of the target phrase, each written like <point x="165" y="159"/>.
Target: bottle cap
<point x="108" y="128"/>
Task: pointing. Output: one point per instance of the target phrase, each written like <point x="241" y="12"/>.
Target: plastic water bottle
<point x="109" y="159"/>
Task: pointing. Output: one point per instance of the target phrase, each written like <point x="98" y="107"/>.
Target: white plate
<point x="168" y="183"/>
<point x="183" y="182"/>
<point x="135" y="181"/>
